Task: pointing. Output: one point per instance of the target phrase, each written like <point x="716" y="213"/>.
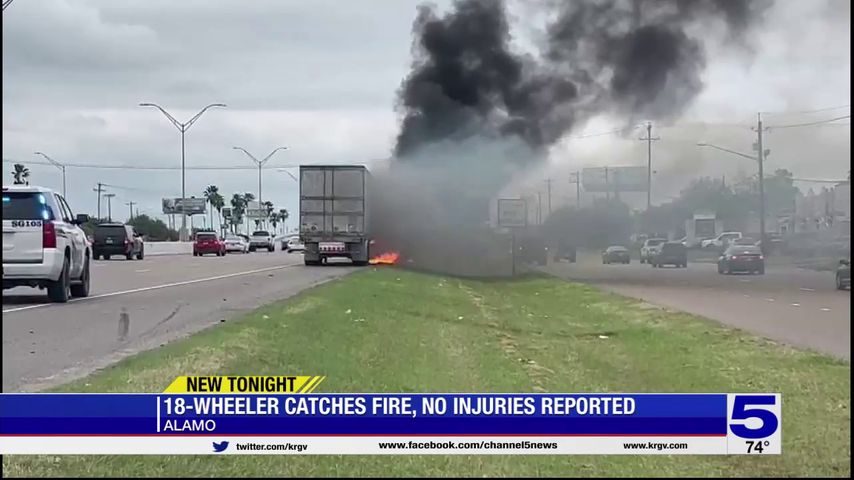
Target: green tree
<point x="153" y="228"/>
<point x="21" y="174"/>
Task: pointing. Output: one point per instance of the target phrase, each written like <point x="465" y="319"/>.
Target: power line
<point x="139" y="167"/>
<point x="819" y="122"/>
<point x="827" y="109"/>
<point x="624" y="130"/>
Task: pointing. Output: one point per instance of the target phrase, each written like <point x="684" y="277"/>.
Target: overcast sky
<point x="320" y="77"/>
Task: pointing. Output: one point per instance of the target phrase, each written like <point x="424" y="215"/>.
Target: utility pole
<point x="109" y="197"/>
<point x="577" y="182"/>
<point x="539" y="207"/>
<point x="99" y="190"/>
<point x="607" y="188"/>
<point x="760" y="156"/>
<point x="649" y="139"/>
<point x="131" y="204"/>
<point x="549" y="189"/>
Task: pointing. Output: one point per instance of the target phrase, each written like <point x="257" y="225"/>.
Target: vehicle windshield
<point x="653" y="242"/>
<point x="617" y="249"/>
<point x="261" y="233"/>
<point x="26" y="206"/>
<point x="205" y="237"/>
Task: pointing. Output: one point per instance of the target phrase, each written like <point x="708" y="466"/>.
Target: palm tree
<point x="247" y="197"/>
<point x="283" y="216"/>
<point x="268" y="207"/>
<point x="274" y="220"/>
<point x="209" y="194"/>
<point x="238" y="207"/>
<point x="21" y="174"/>
<point x="218" y="202"/>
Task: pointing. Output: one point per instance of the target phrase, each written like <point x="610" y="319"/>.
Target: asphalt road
<point x="165" y="297"/>
<point x="787" y="304"/>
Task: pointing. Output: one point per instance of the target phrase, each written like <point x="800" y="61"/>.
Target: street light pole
<point x="182" y="127"/>
<point x="260" y="164"/>
<point x="57" y="165"/>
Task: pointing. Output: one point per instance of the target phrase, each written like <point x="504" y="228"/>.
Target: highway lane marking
<point x="770" y="299"/>
<point x="824" y="309"/>
<point x="156" y="287"/>
<point x="807" y="289"/>
<point x="143" y="270"/>
<point x="796" y="304"/>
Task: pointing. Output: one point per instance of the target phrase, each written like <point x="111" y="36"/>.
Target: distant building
<point x="827" y="210"/>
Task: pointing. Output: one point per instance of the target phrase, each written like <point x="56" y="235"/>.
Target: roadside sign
<point x="614" y="179"/>
<point x="512" y="212"/>
<point x="191" y="206"/>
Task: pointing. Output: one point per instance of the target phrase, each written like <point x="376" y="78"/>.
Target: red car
<point x="208" y="242"/>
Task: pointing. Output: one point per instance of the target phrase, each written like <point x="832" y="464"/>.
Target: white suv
<point x="261" y="239"/>
<point x="43" y="244"/>
<point x="649" y="248"/>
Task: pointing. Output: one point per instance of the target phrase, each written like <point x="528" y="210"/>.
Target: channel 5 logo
<point x="754" y="416"/>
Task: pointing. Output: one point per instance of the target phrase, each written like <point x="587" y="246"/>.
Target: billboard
<point x="191" y="206"/>
<point x="614" y="179"/>
<point x="512" y="212"/>
<point x="254" y="211"/>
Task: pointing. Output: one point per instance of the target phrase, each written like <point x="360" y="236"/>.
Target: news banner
<point x="282" y="415"/>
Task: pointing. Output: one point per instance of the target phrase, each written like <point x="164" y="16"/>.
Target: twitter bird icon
<point x="220" y="447"/>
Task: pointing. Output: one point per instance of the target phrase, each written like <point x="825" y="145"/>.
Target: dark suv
<point x="117" y="239"/>
<point x="670" y="253"/>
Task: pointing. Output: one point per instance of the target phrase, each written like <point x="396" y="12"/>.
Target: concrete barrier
<point x="168" y="248"/>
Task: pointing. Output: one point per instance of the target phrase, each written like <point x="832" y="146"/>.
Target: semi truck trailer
<point x="333" y="214"/>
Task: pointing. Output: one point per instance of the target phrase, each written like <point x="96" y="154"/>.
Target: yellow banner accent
<point x="245" y="384"/>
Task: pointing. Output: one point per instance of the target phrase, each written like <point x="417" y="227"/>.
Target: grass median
<point x="387" y="330"/>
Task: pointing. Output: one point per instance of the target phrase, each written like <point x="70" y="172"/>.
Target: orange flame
<point x="388" y="258"/>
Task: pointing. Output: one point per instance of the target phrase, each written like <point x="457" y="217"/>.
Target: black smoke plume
<point x="638" y="58"/>
<point x="474" y="109"/>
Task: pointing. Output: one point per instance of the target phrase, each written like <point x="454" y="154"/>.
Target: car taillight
<point x="761" y="257"/>
<point x="48" y="235"/>
<point x="733" y="257"/>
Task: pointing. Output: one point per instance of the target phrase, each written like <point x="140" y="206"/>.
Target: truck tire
<point x="58" y="291"/>
<point x="271" y="248"/>
<point x="312" y="263"/>
<point x="251" y="249"/>
<point x="141" y="254"/>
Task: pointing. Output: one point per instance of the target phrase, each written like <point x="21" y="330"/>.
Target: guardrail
<point x="168" y="248"/>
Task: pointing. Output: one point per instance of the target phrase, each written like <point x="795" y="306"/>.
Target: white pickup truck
<point x="261" y="239"/>
<point x="43" y="244"/>
<point x="722" y="241"/>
